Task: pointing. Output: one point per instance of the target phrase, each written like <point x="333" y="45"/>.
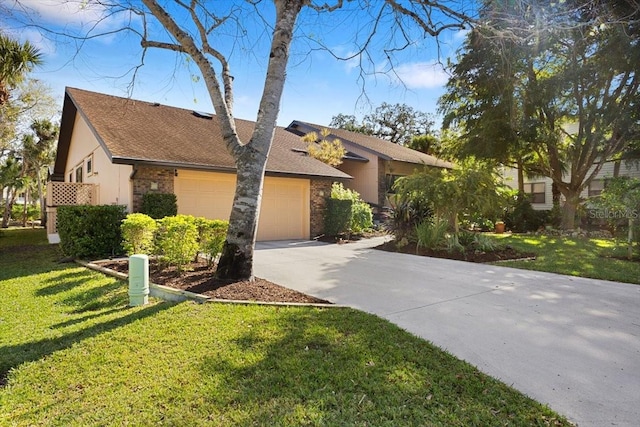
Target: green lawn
<point x="574" y="256"/>
<point x="73" y="353"/>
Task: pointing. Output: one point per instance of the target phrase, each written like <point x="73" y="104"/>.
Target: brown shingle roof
<point x="385" y="149"/>
<point x="133" y="131"/>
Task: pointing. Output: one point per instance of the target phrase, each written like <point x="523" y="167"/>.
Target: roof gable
<point x="380" y="147"/>
<point x="134" y="131"/>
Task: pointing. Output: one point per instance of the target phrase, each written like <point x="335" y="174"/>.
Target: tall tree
<point x="199" y="28"/>
<point x="397" y="123"/>
<point x="39" y="153"/>
<point x="250" y="156"/>
<point x="553" y="85"/>
<point x="16" y="60"/>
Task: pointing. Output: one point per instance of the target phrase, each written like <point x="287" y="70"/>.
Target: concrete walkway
<point x="569" y="342"/>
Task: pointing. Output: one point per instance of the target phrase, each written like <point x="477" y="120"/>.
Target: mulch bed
<point x="200" y="279"/>
<point x="501" y="254"/>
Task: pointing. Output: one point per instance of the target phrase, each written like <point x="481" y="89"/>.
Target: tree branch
<point x="223" y="112"/>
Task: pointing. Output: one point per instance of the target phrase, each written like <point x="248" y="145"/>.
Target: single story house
<point x="113" y="150"/>
<point x="373" y="163"/>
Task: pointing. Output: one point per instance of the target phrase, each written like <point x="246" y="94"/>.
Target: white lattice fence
<point x="70" y="193"/>
<point x="52" y="220"/>
<point x="67" y="193"/>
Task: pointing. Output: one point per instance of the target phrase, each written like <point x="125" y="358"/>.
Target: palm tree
<point x="39" y="153"/>
<point x="16" y="60"/>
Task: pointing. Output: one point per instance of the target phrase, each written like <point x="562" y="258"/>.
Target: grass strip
<point x="594" y="258"/>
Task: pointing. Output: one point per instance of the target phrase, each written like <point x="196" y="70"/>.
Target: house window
<point x="71" y="177"/>
<point x="79" y="174"/>
<point x="595" y="187"/>
<point x="89" y="163"/>
<point x="536" y="191"/>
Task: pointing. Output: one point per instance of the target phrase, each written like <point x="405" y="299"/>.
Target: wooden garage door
<point x="285" y="202"/>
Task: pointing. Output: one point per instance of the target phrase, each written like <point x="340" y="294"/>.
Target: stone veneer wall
<point x="320" y="191"/>
<point x="144" y="179"/>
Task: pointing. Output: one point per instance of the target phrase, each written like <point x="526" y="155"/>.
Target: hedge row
<point x="176" y="239"/>
<point x="88" y="231"/>
<point x="92" y="232"/>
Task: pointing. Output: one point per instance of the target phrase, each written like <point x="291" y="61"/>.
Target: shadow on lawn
<point x="18" y="261"/>
<point x="344" y="367"/>
<point x="11" y="356"/>
<point x="96" y="298"/>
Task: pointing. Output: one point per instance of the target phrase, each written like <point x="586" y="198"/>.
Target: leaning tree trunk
<point x="236" y="261"/>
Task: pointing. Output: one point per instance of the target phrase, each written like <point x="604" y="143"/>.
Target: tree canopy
<point x="16" y="60"/>
<point x="551" y="87"/>
<point x="215" y="35"/>
<point x="398" y="123"/>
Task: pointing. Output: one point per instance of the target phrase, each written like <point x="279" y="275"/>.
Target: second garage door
<point x="285" y="202"/>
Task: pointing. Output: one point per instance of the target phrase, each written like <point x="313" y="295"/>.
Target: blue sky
<point x="318" y="86"/>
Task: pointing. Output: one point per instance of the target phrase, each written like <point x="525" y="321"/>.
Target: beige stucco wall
<point x="112" y="180"/>
<point x="285" y="210"/>
<point x="365" y="175"/>
<point x="401" y="168"/>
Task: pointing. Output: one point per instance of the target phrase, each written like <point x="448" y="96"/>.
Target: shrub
<point x="159" y="205"/>
<point x="33" y="212"/>
<point x="482" y="242"/>
<point x="466" y="238"/>
<point x="471" y="188"/>
<point x="337" y="217"/>
<point x="406" y="214"/>
<point x="211" y="237"/>
<point x="361" y="217"/>
<point x="137" y="232"/>
<point x="432" y="233"/>
<point x="90" y="231"/>
<point x="521" y="217"/>
<point x="453" y="243"/>
<point x="177" y="240"/>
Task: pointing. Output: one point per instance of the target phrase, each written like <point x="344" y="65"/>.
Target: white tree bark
<point x="236" y="261"/>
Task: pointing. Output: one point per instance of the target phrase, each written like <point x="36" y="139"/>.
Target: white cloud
<point x="353" y="62"/>
<point x="421" y="75"/>
<point x="79" y="14"/>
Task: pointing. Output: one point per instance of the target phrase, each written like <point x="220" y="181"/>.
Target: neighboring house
<point x="373" y="163"/>
<point x="126" y="148"/>
<point x="539" y="188"/>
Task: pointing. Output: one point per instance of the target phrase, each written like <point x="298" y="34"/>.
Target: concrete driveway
<point x="569" y="342"/>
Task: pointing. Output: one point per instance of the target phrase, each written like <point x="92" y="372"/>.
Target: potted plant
<point x="499" y="227"/>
